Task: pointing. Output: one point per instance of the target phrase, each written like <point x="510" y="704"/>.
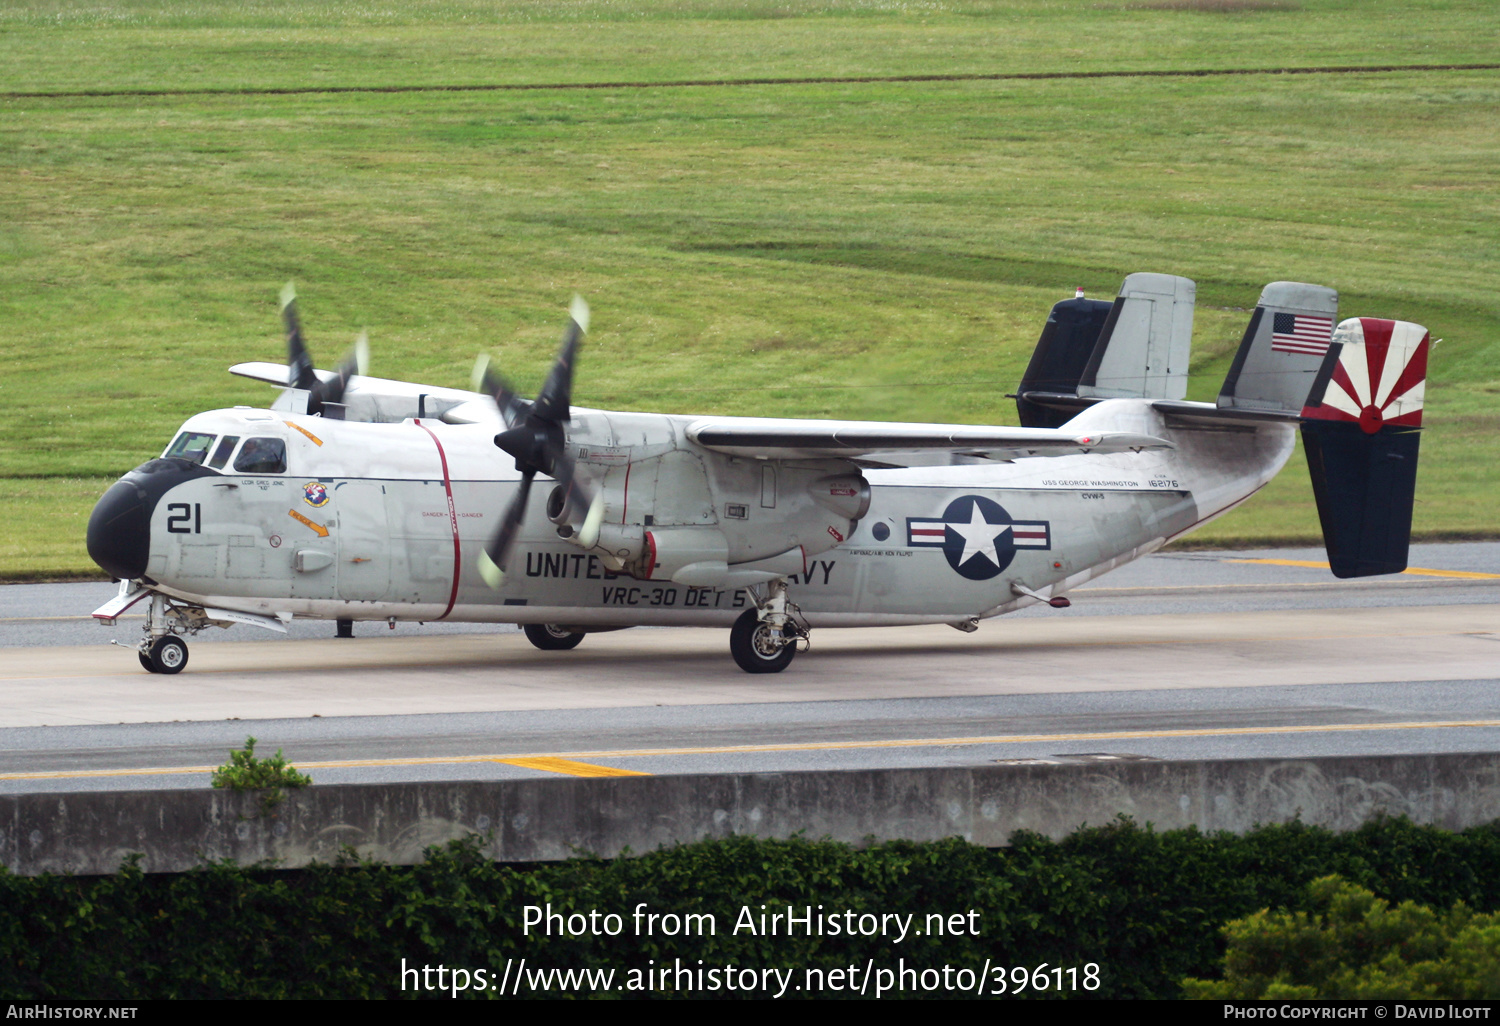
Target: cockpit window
<point x="262" y="456"/>
<point x="191" y="446"/>
<point x="221" y="454"/>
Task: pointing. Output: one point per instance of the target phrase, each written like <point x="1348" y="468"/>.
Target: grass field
<point x="883" y="249"/>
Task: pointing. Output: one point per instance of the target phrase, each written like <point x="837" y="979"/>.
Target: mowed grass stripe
<point x="507" y="87"/>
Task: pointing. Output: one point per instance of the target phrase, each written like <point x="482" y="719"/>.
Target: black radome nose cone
<point x="119" y="537"/>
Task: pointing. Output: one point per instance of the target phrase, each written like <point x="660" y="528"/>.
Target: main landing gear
<point x="549" y="637"/>
<point x="765" y="639"/>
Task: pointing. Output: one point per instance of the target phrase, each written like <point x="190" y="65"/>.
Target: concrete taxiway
<point x="1191" y="655"/>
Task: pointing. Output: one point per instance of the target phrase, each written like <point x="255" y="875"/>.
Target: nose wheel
<point x="165" y="655"/>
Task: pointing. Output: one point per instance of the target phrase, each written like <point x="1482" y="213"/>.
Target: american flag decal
<point x="1304" y="334"/>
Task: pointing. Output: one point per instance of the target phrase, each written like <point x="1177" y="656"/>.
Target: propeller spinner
<point x="536" y="438"/>
<point x="300" y="363"/>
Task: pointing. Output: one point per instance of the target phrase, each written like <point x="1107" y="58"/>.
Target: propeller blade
<point x="298" y="362"/>
<point x="588" y="534"/>
<point x="492" y="561"/>
<point x="556" y="397"/>
<point x="332" y="391"/>
<point x="512" y="406"/>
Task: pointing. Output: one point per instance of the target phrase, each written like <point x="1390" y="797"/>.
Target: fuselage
<point x="277" y="513"/>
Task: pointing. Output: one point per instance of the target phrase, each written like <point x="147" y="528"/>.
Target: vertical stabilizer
<point x="1361" y="428"/>
<point x="1283" y="348"/>
<point x="1059" y="358"/>
<point x="1144" y="347"/>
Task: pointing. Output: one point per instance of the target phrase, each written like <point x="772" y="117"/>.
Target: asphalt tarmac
<point x="1193" y="655"/>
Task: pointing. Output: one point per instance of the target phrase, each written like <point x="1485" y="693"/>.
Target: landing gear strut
<point x="765" y="639"/>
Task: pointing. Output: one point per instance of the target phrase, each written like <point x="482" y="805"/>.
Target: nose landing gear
<point x="161" y="650"/>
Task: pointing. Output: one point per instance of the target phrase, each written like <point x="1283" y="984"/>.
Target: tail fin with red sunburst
<point x="1361" y="426"/>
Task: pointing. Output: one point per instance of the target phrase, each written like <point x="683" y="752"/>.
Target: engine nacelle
<point x="695" y="556"/>
<point x="848" y="495"/>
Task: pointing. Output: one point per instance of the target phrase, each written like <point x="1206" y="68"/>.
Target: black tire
<point x="169" y="654"/>
<point x="750" y="644"/>
<point x="551" y="638"/>
<point x="145" y="661"/>
<point x="343" y="628"/>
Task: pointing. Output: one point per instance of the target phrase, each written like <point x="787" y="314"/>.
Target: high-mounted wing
<point x="385" y="399"/>
<point x="902" y="444"/>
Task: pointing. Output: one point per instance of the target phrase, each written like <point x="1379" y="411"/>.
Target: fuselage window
<point x="191" y="446"/>
<point x="221" y="454"/>
<point x="262" y="456"/>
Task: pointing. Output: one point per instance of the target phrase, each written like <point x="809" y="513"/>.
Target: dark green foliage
<point x="1354" y="946"/>
<point x="1148" y="907"/>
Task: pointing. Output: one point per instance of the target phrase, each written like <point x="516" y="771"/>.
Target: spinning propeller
<point x="535" y="436"/>
<point x="301" y="365"/>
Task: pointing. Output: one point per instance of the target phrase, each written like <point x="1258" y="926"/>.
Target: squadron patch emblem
<point x="315" y="494"/>
<point x="978" y="536"/>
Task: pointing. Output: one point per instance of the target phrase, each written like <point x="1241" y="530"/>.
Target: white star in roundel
<point x="979" y="536"/>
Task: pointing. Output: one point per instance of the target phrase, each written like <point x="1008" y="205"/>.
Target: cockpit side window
<point x="221" y="454"/>
<point x="262" y="456"/>
<point x="191" y="446"/>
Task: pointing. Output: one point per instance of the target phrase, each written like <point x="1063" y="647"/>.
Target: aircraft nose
<point x="119" y="537"/>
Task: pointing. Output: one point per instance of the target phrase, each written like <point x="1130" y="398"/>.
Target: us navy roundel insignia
<point x="976" y="534"/>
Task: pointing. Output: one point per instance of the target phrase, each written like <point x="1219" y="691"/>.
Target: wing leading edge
<point x="806" y="439"/>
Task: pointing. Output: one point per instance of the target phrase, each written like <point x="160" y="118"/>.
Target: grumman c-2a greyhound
<point x="358" y="498"/>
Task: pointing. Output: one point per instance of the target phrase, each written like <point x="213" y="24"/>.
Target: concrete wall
<point x="542" y="819"/>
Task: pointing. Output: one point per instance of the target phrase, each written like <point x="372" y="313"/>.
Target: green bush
<point x="1352" y="945"/>
<point x="244" y="772"/>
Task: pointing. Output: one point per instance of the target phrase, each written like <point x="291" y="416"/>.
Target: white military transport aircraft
<point x="358" y="498"/>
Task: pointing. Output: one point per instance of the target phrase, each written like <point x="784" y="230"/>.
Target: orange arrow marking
<point x="311" y="437"/>
<point x="322" y="531"/>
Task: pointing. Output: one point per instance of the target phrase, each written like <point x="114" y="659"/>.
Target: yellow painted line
<point x="322" y="531"/>
<point x="554" y="762"/>
<point x="311" y="437"/>
<point x="1417" y="570"/>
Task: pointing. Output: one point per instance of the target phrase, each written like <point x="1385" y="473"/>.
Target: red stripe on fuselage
<point x="452" y="517"/>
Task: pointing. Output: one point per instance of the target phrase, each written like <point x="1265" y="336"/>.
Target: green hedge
<point x="1354" y="946"/>
<point x="1148" y="907"/>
